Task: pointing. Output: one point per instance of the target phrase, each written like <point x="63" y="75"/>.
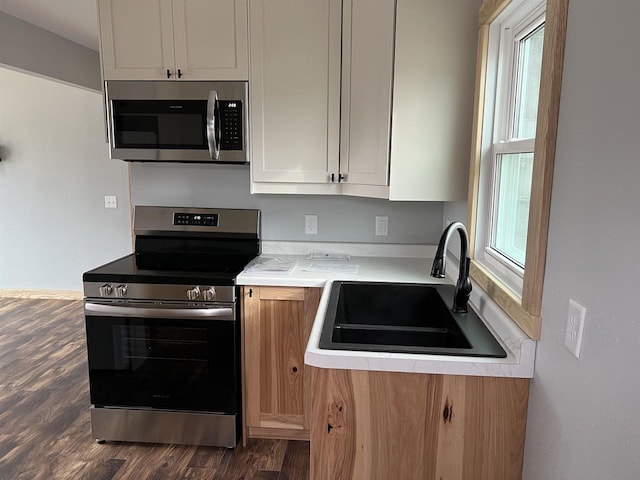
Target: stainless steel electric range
<point x="163" y="328"/>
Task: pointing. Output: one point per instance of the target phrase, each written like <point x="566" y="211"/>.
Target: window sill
<point x="506" y="299"/>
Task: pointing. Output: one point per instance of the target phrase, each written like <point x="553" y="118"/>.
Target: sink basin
<point x="403" y="318"/>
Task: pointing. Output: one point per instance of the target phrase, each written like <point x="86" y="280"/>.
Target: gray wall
<point x="583" y="414"/>
<point x="340" y="218"/>
<point x="54" y="174"/>
<point x="27" y="47"/>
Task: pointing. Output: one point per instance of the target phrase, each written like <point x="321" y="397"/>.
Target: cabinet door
<point x="371" y="425"/>
<point x="294" y="82"/>
<point x="211" y="39"/>
<point x="367" y="67"/>
<point x="136" y="39"/>
<point x="433" y="99"/>
<point x="277" y="324"/>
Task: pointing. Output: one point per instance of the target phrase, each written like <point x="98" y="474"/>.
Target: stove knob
<point x="106" y="290"/>
<point x="121" y="290"/>
<point x="193" y="293"/>
<point x="209" y="294"/>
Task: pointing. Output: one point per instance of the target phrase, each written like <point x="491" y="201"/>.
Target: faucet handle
<point x="437" y="270"/>
<point x="463" y="288"/>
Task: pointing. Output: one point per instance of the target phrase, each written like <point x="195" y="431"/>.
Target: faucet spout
<point x="463" y="285"/>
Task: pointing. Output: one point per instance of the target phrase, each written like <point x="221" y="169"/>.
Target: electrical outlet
<point x="311" y="224"/>
<point x="110" y="201"/>
<point x="382" y="226"/>
<point x="575" y="327"/>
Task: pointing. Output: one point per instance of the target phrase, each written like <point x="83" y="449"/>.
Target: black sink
<point x="403" y="318"/>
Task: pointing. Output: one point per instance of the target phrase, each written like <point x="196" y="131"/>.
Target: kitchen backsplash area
<point x="340" y="218"/>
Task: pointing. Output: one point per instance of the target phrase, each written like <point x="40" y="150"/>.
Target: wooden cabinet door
<point x="136" y="39"/>
<point x="370" y="425"/>
<point x="294" y="87"/>
<point x="276" y="328"/>
<point x="367" y="78"/>
<point x="211" y="39"/>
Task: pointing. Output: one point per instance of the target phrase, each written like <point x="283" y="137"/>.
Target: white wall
<point x="584" y="421"/>
<point x="27" y="47"/>
<point x="54" y="174"/>
<point x="340" y="218"/>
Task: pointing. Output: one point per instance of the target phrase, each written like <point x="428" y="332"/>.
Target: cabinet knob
<point x="341" y="177"/>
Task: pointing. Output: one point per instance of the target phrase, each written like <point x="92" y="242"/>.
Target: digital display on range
<point x="196" y="219"/>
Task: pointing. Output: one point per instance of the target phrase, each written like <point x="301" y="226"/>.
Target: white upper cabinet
<point x="367" y="76"/>
<point x="294" y="89"/>
<point x="320" y="86"/>
<point x="404" y="91"/>
<point x="173" y="39"/>
<point x="433" y="88"/>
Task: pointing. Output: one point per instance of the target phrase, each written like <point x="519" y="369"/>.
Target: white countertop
<point x="519" y="347"/>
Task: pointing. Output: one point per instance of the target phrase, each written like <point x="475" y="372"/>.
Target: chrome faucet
<point x="463" y="286"/>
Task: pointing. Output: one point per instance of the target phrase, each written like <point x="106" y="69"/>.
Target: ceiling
<point x="76" y="20"/>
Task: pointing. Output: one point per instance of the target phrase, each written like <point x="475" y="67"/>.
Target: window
<point x="515" y="60"/>
<point x="520" y="57"/>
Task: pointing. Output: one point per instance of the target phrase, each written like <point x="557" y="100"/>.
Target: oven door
<point x="171" y="356"/>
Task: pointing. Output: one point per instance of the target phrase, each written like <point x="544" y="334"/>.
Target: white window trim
<point x="523" y="17"/>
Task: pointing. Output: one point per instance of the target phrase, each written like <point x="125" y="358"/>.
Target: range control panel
<point x="196" y="219"/>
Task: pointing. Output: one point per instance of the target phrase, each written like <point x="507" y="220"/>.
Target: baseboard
<point x="44" y="294"/>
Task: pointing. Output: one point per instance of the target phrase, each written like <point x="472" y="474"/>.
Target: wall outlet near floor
<point x="575" y="327"/>
<point x="110" y="201"/>
<point x="311" y="224"/>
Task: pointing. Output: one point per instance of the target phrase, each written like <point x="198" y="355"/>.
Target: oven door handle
<point x="155" y="312"/>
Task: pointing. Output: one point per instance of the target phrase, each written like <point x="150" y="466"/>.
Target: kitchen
<point x="593" y="195"/>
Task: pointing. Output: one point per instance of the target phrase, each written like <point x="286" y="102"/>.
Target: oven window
<point x="157" y="363"/>
<point x="160" y="124"/>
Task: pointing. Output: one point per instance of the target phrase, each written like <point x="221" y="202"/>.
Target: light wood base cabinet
<point x="407" y="426"/>
<point x="277" y="322"/>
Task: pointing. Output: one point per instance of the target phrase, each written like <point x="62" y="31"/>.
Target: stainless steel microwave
<point x="176" y="121"/>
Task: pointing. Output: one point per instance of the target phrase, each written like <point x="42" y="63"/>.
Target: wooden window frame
<point x="525" y="311"/>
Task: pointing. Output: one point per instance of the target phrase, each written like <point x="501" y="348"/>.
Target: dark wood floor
<point x="44" y="414"/>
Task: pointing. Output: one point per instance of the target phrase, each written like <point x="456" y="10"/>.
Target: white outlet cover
<point x="382" y="226"/>
<point x="110" y="201"/>
<point x="575" y="328"/>
<point x="311" y="224"/>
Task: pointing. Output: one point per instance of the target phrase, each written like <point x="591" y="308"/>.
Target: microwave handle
<point x="213" y="129"/>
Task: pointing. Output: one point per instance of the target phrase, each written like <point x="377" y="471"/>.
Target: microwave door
<point x="213" y="125"/>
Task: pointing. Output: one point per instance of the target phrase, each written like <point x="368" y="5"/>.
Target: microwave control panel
<point x="231" y="124"/>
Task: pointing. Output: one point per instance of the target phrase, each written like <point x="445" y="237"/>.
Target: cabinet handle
<point x="333" y="178"/>
<point x="179" y="73"/>
<point x="341" y="177"/>
<point x="168" y="73"/>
